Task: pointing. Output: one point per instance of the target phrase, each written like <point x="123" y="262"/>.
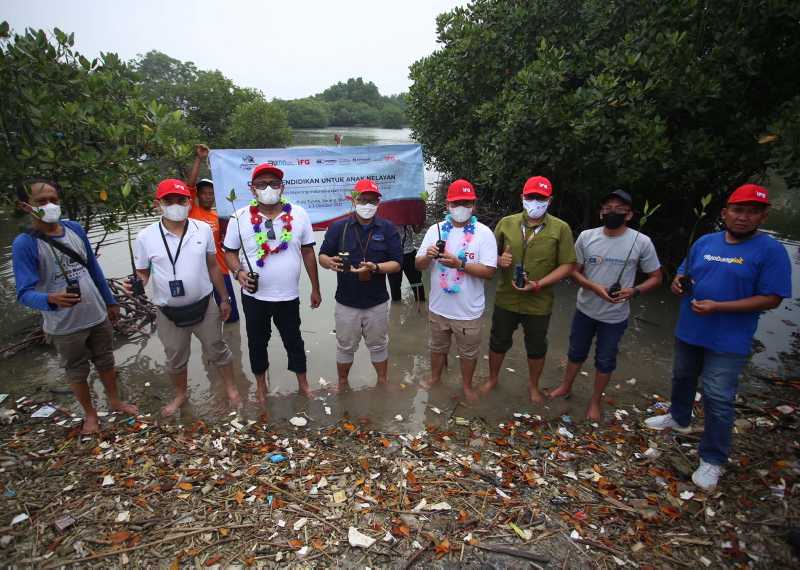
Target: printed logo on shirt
<point x="720" y="259"/>
<point x="378" y="237"/>
<point x="599" y="259"/>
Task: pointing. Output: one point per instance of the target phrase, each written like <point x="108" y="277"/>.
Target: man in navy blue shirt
<point x="735" y="274"/>
<point x="362" y="248"/>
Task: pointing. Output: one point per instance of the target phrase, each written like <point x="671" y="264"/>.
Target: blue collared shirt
<point x="382" y="244"/>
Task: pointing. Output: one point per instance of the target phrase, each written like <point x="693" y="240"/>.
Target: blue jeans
<point x="719" y="374"/>
<point x="232" y="294"/>
<point x="584" y="328"/>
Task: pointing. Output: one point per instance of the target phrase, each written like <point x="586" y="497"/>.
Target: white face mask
<point x="49" y="213"/>
<point x="268" y="195"/>
<point x="460" y="214"/>
<point x="366" y="211"/>
<point x="535" y="208"/>
<point x="175" y="212"/>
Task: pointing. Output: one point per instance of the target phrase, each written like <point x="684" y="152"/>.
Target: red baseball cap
<point x="266" y="167"/>
<point x="538" y="185"/>
<point x="461" y="190"/>
<point x="172" y="186"/>
<point x="749" y="193"/>
<point x="366" y="185"/>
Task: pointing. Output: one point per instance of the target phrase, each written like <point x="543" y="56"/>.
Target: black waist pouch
<point x="187" y="315"/>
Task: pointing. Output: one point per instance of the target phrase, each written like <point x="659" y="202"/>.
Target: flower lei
<point x="469" y="232"/>
<point x="261" y="236"/>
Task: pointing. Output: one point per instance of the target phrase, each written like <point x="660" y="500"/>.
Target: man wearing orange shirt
<point x="202" y="204"/>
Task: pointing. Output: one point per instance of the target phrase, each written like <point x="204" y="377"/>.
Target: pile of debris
<point x="526" y="492"/>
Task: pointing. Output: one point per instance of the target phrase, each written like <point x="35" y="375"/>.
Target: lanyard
<point x="180" y="242"/>
<point x="361" y="245"/>
<point x="527" y="238"/>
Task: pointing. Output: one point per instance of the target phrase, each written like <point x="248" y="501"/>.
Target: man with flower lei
<point x="274" y="237"/>
<point x="462" y="254"/>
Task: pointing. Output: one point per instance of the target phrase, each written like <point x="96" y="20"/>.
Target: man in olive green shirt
<point x="540" y="247"/>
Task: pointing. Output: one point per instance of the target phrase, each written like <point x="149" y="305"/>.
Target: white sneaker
<point x="706" y="476"/>
<point x="666" y="422"/>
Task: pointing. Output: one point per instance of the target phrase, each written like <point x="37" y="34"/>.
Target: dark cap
<point x="620" y="195"/>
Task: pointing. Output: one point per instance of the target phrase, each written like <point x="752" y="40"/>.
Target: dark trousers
<point x="232" y="294"/>
<point x="258" y="318"/>
<point x="413" y="275"/>
<point x="717" y="373"/>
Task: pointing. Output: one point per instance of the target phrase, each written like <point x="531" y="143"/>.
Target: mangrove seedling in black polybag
<point x="251" y="275"/>
<point x="137" y="285"/>
<point x="616" y="287"/>
<point x="686" y="280"/>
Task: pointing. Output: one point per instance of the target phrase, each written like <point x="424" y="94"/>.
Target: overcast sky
<point x="286" y="48"/>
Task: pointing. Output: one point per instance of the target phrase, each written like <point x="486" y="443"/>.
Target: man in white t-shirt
<point x="608" y="258"/>
<point x="178" y="255"/>
<point x="277" y="238"/>
<point x="465" y="251"/>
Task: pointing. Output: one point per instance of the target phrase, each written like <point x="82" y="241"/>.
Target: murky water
<point x="645" y="354"/>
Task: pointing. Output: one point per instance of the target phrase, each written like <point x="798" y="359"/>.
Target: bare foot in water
<point x="234" y="398"/>
<point x="429" y="383"/>
<point x="560" y="390"/>
<point x="340" y="387"/>
<point x="261" y="395"/>
<point x="593" y="412"/>
<point x="91" y="425"/>
<point x="535" y="395"/>
<point x="486" y="387"/>
<point x="125" y="408"/>
<point x="304" y="389"/>
<point x="470" y="394"/>
<point x="174" y="405"/>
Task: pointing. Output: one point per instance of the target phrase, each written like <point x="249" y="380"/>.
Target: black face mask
<point x="613" y="220"/>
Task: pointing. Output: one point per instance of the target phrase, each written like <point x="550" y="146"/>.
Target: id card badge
<point x="176" y="288"/>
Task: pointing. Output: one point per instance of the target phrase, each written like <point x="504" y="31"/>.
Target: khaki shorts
<point x="466" y="333"/>
<point x="178" y="340"/>
<point x="353" y="324"/>
<point x="76" y="349"/>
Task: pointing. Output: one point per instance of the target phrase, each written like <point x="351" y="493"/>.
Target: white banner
<point x="320" y="179"/>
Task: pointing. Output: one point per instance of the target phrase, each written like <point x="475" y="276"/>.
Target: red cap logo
<point x="461" y="190"/>
<point x="366" y="185"/>
<point x="749" y="193"/>
<point x="538" y="185"/>
<point x="172" y="186"/>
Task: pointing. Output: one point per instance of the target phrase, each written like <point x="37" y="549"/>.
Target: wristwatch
<point x="377" y="268"/>
<point x="636" y="292"/>
<point x="463" y="265"/>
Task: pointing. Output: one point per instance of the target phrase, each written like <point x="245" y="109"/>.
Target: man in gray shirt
<point x="56" y="272"/>
<point x="608" y="259"/>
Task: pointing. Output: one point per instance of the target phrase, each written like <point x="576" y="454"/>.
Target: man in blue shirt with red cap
<point x="733" y="276"/>
<point x="362" y="248"/>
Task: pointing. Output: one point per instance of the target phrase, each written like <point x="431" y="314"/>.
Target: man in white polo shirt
<point x="179" y="255"/>
<point x="467" y="257"/>
<point x="277" y="238"/>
